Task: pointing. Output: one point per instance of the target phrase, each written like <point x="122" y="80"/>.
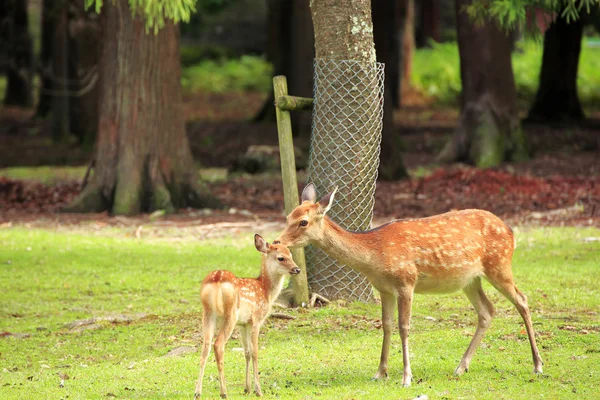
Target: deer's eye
<point x="303" y="222"/>
<point x="280" y="259"/>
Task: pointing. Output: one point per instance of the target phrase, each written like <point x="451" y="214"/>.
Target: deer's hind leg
<point x="229" y="321"/>
<point x="208" y="329"/>
<point x="485" y="313"/>
<point x="510" y="291"/>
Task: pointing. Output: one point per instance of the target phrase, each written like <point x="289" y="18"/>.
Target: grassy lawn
<point x="51" y="279"/>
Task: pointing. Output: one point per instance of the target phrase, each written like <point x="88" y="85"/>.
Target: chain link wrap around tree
<point x="344" y="152"/>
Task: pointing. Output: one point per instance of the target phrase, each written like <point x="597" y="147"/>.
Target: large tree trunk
<point x="346" y="132"/>
<point x="143" y="160"/>
<point x="386" y="21"/>
<point x="45" y="59"/>
<point x="557" y="99"/>
<point x="19" y="72"/>
<point x="489" y="130"/>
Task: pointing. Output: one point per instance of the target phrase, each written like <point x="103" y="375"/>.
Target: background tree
<point x="290" y="48"/>
<point x="489" y="130"/>
<point x="143" y="160"/>
<point x="45" y="57"/>
<point x="557" y="98"/>
<point x="14" y="32"/>
<point x="388" y="37"/>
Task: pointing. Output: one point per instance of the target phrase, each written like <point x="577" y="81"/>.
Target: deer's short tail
<point x="218" y="298"/>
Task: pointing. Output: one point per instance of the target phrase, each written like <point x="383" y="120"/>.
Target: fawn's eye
<point x="303" y="222"/>
<point x="280" y="259"/>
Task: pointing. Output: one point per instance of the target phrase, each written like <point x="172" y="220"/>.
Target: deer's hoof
<point x="223" y="395"/>
<point x="197" y="395"/>
<point x="460" y="370"/>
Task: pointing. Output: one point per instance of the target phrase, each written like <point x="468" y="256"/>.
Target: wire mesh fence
<point x="344" y="151"/>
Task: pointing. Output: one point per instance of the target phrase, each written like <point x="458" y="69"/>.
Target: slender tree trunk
<point x="143" y="160"/>
<point x="45" y="60"/>
<point x="489" y="130"/>
<point x="408" y="45"/>
<point x="19" y="74"/>
<point x="557" y="99"/>
<point x="84" y="46"/>
<point x="301" y="54"/>
<point x="386" y="18"/>
<point x="346" y="133"/>
<point x="60" y="74"/>
<point x="429" y="22"/>
<point x="290" y="48"/>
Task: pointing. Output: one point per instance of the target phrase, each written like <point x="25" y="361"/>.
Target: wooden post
<point x="290" y="185"/>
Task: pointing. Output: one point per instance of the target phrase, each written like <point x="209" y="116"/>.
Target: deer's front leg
<point x="246" y="339"/>
<point x="255" y="330"/>
<point x="388" y="305"/>
<point x="405" y="296"/>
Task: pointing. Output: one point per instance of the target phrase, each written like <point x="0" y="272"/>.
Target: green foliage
<point x="248" y="73"/>
<point x="513" y="13"/>
<point x="436" y="71"/>
<point x="155" y="11"/>
<point x="50" y="279"/>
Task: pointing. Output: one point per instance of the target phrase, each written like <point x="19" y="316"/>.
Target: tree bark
<point x="60" y="74"/>
<point x="388" y="36"/>
<point x="45" y="59"/>
<point x="19" y="73"/>
<point x="85" y="49"/>
<point x="346" y="133"/>
<point x="143" y="160"/>
<point x="408" y="45"/>
<point x="489" y="130"/>
<point x="290" y="48"/>
<point x="557" y="99"/>
<point x="429" y="28"/>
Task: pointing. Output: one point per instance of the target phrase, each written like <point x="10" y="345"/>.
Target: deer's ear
<point x="261" y="244"/>
<point x="309" y="193"/>
<point x="327" y="201"/>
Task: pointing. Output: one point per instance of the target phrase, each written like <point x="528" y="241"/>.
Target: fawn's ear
<point x="327" y="201"/>
<point x="309" y="193"/>
<point x="261" y="244"/>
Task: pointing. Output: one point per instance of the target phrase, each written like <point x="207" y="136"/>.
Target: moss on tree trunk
<point x="143" y="160"/>
<point x="489" y="130"/>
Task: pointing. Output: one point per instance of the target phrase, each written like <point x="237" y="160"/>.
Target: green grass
<point x="49" y="279"/>
<point x="436" y="71"/>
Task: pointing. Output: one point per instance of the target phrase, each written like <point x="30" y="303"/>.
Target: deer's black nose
<point x="295" y="271"/>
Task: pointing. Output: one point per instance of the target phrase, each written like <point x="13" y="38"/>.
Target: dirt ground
<point x="560" y="185"/>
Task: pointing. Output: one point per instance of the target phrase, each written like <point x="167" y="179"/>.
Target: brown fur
<point x="228" y="301"/>
<point x="439" y="254"/>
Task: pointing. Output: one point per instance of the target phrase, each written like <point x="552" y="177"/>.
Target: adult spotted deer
<point x="439" y="254"/>
<point x="229" y="301"/>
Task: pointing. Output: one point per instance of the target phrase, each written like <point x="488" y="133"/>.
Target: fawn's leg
<point x="485" y="313"/>
<point x="405" y="296"/>
<point x="388" y="305"/>
<point x="229" y="322"/>
<point x="510" y="291"/>
<point x="255" y="331"/>
<point x="246" y="340"/>
<point x="208" y="328"/>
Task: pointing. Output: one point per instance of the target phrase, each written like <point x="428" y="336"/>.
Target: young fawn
<point x="440" y="254"/>
<point x="229" y="301"/>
